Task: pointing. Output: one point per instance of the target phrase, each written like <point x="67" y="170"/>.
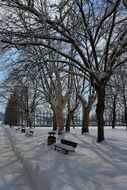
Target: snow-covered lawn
<point x="93" y="166"/>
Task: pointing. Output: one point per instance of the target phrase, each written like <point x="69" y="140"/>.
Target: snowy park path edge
<point x="32" y="168"/>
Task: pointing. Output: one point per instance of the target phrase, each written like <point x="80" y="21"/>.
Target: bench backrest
<point x="74" y="144"/>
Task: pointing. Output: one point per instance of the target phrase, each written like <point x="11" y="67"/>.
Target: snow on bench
<point x="66" y="146"/>
<point x="29" y="133"/>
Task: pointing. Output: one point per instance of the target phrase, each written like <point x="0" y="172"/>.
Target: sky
<point x="2" y="75"/>
<point x="93" y="166"/>
<point x="2" y="104"/>
<point x="6" y="58"/>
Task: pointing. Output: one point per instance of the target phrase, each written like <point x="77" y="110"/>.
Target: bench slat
<point x="64" y="146"/>
<point x="29" y="133"/>
<point x="70" y="143"/>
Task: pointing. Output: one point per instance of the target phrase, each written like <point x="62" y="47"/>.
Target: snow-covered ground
<point x="12" y="174"/>
<point x="93" y="166"/>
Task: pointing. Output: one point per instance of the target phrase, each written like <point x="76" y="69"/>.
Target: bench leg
<point x="65" y="151"/>
<point x="57" y="148"/>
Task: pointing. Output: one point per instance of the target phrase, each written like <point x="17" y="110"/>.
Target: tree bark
<point x="86" y="107"/>
<point x="85" y="122"/>
<point x="54" y="122"/>
<point x="59" y="119"/>
<point x="125" y="109"/>
<point x="27" y="119"/>
<point x="114" y="113"/>
<point x="100" y="111"/>
<point x="69" y="120"/>
<point x="125" y="112"/>
<point x="58" y="111"/>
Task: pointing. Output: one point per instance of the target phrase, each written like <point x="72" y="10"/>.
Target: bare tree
<point x="51" y="81"/>
<point x="87" y="103"/>
<point x="72" y="103"/>
<point x="96" y="30"/>
<point x="112" y="98"/>
<point x="11" y="112"/>
<point x="123" y="88"/>
<point x="23" y="85"/>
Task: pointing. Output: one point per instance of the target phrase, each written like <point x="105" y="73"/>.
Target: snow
<point x="93" y="166"/>
<point x="12" y="174"/>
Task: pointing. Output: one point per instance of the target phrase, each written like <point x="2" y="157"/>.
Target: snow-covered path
<point x="93" y="166"/>
<point x="12" y="174"/>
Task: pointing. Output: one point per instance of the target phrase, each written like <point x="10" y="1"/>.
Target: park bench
<point x="29" y="132"/>
<point x="66" y="146"/>
<point x="18" y="129"/>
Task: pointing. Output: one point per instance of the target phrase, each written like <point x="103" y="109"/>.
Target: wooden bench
<point x="18" y="129"/>
<point x="29" y="133"/>
<point x="66" y="146"/>
<point x="70" y="143"/>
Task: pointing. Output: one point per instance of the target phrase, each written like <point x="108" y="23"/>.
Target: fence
<point x="45" y="119"/>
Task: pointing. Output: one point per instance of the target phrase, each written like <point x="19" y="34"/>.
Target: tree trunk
<point x="27" y="117"/>
<point x="85" y="122"/>
<point x="22" y="119"/>
<point x="86" y="107"/>
<point x="54" y="122"/>
<point x="29" y="122"/>
<point x="114" y="113"/>
<point x="125" y="109"/>
<point x="100" y="111"/>
<point x="59" y="120"/>
<point x="126" y="116"/>
<point x="69" y="120"/>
